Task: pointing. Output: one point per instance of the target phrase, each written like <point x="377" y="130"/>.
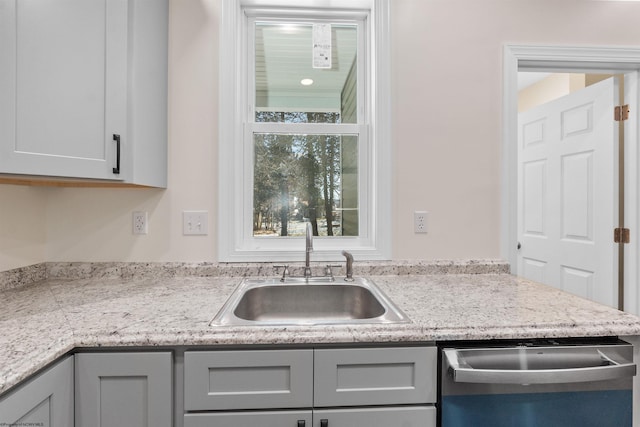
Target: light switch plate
<point x="195" y="223"/>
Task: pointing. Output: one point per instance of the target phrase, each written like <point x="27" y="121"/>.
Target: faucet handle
<point x="328" y="270"/>
<point x="285" y="272"/>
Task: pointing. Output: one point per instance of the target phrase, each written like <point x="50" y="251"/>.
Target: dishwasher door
<point x="537" y="386"/>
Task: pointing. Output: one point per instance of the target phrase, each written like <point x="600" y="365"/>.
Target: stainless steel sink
<point x="270" y="302"/>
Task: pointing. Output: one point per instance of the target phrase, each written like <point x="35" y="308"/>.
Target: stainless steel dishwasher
<point x="549" y="383"/>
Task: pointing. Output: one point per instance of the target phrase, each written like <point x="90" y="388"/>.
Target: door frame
<point x="596" y="59"/>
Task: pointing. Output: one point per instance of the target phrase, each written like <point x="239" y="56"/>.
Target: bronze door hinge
<point x="621" y="235"/>
<point x="621" y="113"/>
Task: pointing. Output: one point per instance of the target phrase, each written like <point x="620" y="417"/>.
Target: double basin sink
<point x="315" y="301"/>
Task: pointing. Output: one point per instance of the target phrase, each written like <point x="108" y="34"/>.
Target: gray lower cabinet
<point x="419" y="416"/>
<point x="248" y="379"/>
<point x="123" y="389"/>
<point x="46" y="400"/>
<point x="346" y="387"/>
<point x="250" y="419"/>
<point x="374" y="376"/>
<point x="409" y="416"/>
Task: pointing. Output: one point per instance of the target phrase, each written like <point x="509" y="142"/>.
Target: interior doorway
<point x="568" y="184"/>
<point x="596" y="60"/>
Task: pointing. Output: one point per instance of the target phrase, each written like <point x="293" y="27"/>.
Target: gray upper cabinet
<point x="123" y="389"/>
<point x="84" y="89"/>
<point x="45" y="400"/>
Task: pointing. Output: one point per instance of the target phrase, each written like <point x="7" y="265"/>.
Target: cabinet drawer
<point x="250" y="419"/>
<point x="232" y="380"/>
<point x="375" y="376"/>
<point x="416" y="416"/>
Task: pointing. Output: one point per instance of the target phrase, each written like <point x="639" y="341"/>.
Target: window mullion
<point x="305" y="128"/>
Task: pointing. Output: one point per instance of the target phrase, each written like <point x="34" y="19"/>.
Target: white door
<point x="567" y="193"/>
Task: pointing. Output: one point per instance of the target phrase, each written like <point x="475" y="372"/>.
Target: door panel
<point x="534" y="193"/>
<point x="124" y="389"/>
<point x="63" y="76"/>
<point x="577" y="194"/>
<point x="46" y="400"/>
<point x="567" y="193"/>
<point x="578" y="282"/>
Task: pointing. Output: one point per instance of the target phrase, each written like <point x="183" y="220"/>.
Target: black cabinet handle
<point x="324" y="423"/>
<point x="300" y="423"/>
<point x="116" y="138"/>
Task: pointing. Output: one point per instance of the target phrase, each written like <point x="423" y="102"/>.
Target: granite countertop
<point x="45" y="320"/>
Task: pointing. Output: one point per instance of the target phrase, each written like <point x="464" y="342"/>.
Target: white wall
<point x="447" y="92"/>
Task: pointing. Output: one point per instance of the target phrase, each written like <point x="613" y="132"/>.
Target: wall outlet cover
<point x="420" y="221"/>
<point x="140" y="223"/>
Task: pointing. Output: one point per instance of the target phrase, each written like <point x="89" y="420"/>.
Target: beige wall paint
<point x="548" y="89"/>
<point x="447" y="92"/>
<point x="95" y="224"/>
<point x="556" y="86"/>
<point x="23" y="227"/>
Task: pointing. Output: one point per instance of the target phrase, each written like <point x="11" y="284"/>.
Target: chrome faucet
<point x="309" y="249"/>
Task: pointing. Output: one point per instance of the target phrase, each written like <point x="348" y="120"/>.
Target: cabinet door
<point x="249" y="379"/>
<point x="250" y="419"/>
<point x="124" y="389"/>
<point x="420" y="416"/>
<point x="375" y="376"/>
<point x="63" y="80"/>
<point x="46" y="400"/>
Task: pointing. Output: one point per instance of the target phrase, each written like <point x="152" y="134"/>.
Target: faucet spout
<point x="309" y="249"/>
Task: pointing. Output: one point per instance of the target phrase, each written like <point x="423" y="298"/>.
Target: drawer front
<point x="375" y="376"/>
<point x="250" y="419"/>
<point x="416" y="416"/>
<point x="229" y="380"/>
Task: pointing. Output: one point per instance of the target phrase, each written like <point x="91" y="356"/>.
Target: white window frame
<point x="235" y="235"/>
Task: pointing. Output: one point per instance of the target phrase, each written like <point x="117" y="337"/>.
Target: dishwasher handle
<point x="462" y="373"/>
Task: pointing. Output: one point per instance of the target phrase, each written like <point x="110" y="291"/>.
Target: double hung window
<point x="300" y="138"/>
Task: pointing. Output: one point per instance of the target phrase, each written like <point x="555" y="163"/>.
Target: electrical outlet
<point x="195" y="223"/>
<point x="140" y="223"/>
<point x="420" y="221"/>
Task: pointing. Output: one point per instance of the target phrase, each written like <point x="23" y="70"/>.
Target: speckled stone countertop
<point x="45" y="320"/>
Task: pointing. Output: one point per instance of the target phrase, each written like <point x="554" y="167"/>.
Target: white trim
<point x="632" y="186"/>
<point x="375" y="243"/>
<point x="569" y="58"/>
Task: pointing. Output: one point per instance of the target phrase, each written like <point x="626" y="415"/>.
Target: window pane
<point x="284" y="59"/>
<point x="305" y="178"/>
